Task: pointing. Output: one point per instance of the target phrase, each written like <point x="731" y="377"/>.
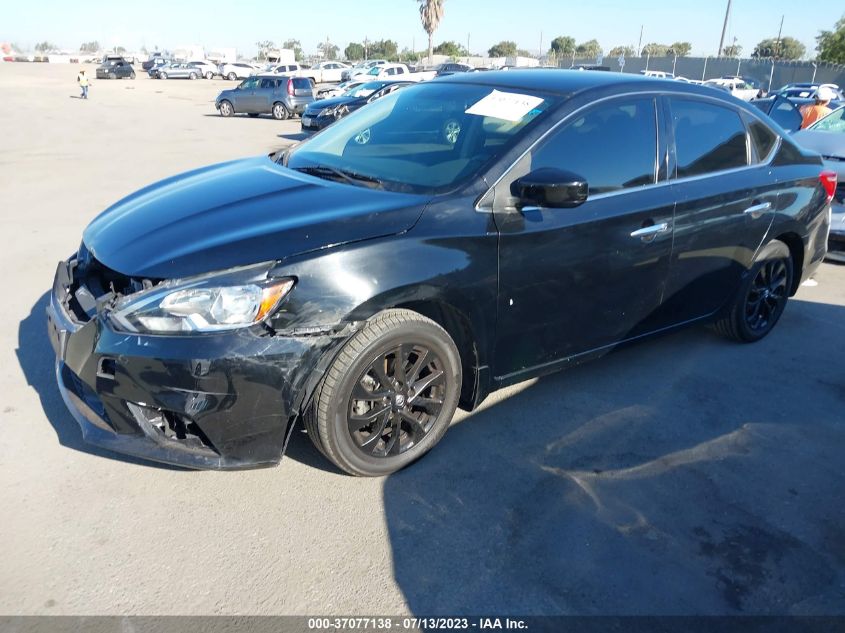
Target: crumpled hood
<point x="239" y="213"/>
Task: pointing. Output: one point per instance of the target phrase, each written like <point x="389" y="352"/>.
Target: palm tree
<point x="431" y="12"/>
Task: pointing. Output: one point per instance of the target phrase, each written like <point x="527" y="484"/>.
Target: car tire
<point x="403" y="429"/>
<point x="231" y="76"/>
<point x="280" y="111"/>
<point x="209" y="75"/>
<point x="112" y="76"/>
<point x="162" y="75"/>
<point x="762" y="296"/>
<point x="132" y="76"/>
<point x="192" y="76"/>
<point x="226" y="108"/>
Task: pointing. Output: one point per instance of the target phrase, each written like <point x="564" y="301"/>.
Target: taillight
<point x="291" y="92"/>
<point x="828" y="180"/>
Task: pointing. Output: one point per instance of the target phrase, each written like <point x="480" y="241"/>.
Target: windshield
<point x="427" y="138"/>
<point x="833" y="122"/>
<point x="365" y="90"/>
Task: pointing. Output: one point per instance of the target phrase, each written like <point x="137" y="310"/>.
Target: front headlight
<point x="210" y="303"/>
<point x="327" y="112"/>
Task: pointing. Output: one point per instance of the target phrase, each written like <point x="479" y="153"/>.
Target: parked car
<point x="805" y="94"/>
<point x="115" y="69"/>
<point x="157" y="63"/>
<point x="737" y="87"/>
<point x="321" y="114"/>
<point x="361" y="68"/>
<point x="236" y="70"/>
<point x="785" y="112"/>
<point x="397" y="71"/>
<point x="450" y="68"/>
<point x="328" y="72"/>
<point x="374" y="277"/>
<point x="657" y="74"/>
<point x="207" y="69"/>
<point x="750" y="84"/>
<point x="281" y="97"/>
<point x="178" y="70"/>
<point x="156" y="59"/>
<point x="292" y="69"/>
<point x="338" y="90"/>
<point x="827" y="137"/>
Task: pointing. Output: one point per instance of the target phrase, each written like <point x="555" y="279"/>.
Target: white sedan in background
<point x="736" y="86"/>
<point x="236" y="70"/>
<point x="207" y="69"/>
<point x="328" y="72"/>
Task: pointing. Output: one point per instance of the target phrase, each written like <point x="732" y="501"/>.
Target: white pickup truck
<point x="396" y="71"/>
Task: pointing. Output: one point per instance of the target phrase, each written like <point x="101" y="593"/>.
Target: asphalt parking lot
<point x="686" y="475"/>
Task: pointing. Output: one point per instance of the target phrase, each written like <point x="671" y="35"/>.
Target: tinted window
<point x="708" y="138"/>
<point x="613" y="146"/>
<point x="763" y="139"/>
<point x="268" y="83"/>
<point x="301" y="83"/>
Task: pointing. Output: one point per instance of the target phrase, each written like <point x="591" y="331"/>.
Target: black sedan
<point x="373" y="278"/>
<point x="321" y="114"/>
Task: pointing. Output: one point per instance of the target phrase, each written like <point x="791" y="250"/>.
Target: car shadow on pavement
<point x="37" y="361"/>
<point x="295" y="136"/>
<point x="686" y="475"/>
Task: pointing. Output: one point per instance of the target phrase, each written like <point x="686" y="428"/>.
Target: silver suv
<point x="281" y="96"/>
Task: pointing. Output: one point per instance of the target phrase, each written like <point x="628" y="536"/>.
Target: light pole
<point x="724" y="29"/>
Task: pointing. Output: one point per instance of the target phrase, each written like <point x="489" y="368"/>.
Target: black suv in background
<point x="281" y="96"/>
<point x="115" y="68"/>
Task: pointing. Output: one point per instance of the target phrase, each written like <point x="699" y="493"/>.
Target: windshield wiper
<point x="351" y="177"/>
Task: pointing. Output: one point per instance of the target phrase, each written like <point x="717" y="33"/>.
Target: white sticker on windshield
<point x="508" y="106"/>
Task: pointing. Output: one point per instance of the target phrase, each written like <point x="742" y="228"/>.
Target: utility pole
<point x="724" y="29"/>
<point x="541" y="43"/>
<point x="640" y="45"/>
<point x="780" y="32"/>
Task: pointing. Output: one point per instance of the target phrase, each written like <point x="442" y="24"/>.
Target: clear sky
<point x="228" y="23"/>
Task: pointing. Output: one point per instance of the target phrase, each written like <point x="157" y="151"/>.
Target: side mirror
<point x="552" y="188"/>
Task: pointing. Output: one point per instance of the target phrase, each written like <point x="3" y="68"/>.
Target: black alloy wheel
<point x="396" y="400"/>
<point x="767" y="295"/>
<point x="762" y="296"/>
<point x="388" y="396"/>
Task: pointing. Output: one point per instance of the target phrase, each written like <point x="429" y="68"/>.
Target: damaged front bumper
<point x="220" y="401"/>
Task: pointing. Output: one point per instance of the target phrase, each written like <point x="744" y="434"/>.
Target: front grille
<point x="93" y="282"/>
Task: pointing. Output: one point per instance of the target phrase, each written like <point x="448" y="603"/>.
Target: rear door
<point x="575" y="280"/>
<point x="726" y="197"/>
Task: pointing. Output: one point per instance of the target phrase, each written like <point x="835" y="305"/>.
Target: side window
<point x="267" y="83"/>
<point x="250" y="84"/>
<point x="613" y="146"/>
<point x="763" y="139"/>
<point x="708" y="138"/>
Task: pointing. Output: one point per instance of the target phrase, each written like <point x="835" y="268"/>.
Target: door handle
<point x="755" y="211"/>
<point x="648" y="233"/>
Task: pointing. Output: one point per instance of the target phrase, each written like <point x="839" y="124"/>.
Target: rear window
<point x="301" y="83"/>
<point x="708" y="138"/>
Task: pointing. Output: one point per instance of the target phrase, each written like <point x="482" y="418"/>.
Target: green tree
<point x="296" y="46"/>
<point x="383" y="49"/>
<point x="407" y="55"/>
<point x="627" y="51"/>
<point x="787" y="48"/>
<point x="452" y="49"/>
<point x="680" y="49"/>
<point x="329" y="50"/>
<point x="354" y="51"/>
<point x="590" y="48"/>
<point x="89" y="47"/>
<point x="503" y="49"/>
<point x="45" y="46"/>
<point x="732" y="50"/>
<point x="831" y="44"/>
<point x="563" y="45"/>
<point x="264" y="47"/>
<point x="431" y="13"/>
<point x="655" y="50"/>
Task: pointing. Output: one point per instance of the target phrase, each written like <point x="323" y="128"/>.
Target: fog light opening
<point x="170" y="426"/>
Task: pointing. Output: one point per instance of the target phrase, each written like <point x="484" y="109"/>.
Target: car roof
<point x="567" y="82"/>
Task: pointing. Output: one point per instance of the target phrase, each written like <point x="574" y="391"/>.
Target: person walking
<point x="82" y="80"/>
<point x="819" y="110"/>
